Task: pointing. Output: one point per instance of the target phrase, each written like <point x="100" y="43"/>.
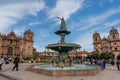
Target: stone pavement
<point x="3" y="78"/>
<point x="110" y="73"/>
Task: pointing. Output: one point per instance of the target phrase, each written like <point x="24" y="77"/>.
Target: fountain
<point x="63" y="66"/>
<point x="62" y="47"/>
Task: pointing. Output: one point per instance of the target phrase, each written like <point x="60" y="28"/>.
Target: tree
<point x="94" y="56"/>
<point x="107" y="55"/>
<point x="118" y="56"/>
<point x="111" y="55"/>
<point x="35" y="56"/>
<point x="103" y="55"/>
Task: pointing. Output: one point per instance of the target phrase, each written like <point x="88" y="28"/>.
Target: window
<point x="10" y="41"/>
<point x="95" y="39"/>
<point x="96" y="45"/>
<point x="114" y="43"/>
<point x="113" y="36"/>
<point x="115" y="48"/>
<point x="96" y="49"/>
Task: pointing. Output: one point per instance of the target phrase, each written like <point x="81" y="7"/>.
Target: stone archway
<point x="10" y="51"/>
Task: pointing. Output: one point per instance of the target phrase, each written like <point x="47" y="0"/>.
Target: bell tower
<point x="114" y="35"/>
<point x="28" y="43"/>
<point x="28" y="35"/>
<point x="96" y="37"/>
<point x="115" y="41"/>
<point x="97" y="41"/>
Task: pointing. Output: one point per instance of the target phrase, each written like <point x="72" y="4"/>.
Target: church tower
<point x="110" y="44"/>
<point x="28" y="43"/>
<point x="97" y="41"/>
<point x="114" y="35"/>
<point x="28" y="35"/>
<point x="115" y="41"/>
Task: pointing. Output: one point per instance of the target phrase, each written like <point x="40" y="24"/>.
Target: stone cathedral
<point x="110" y="44"/>
<point x="11" y="45"/>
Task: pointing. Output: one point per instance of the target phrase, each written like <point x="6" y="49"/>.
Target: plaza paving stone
<point x="110" y="73"/>
<point x="3" y="78"/>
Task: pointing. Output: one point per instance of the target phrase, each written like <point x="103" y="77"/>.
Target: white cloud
<point x="64" y="8"/>
<point x="85" y="41"/>
<point x="112" y="23"/>
<point x="12" y="11"/>
<point x="19" y="31"/>
<point x="39" y="48"/>
<point x="44" y="33"/>
<point x="92" y="21"/>
<point x="34" y="23"/>
<point x="110" y="1"/>
<point x="101" y="3"/>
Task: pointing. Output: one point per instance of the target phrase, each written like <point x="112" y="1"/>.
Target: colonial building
<point x="109" y="44"/>
<point x="48" y="56"/>
<point x="54" y="55"/>
<point x="78" y="54"/>
<point x="11" y="45"/>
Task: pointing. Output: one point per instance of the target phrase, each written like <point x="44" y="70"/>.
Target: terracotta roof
<point x="78" y="52"/>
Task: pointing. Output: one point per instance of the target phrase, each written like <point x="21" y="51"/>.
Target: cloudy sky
<point x="83" y="18"/>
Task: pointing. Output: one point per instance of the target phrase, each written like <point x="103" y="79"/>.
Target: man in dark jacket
<point x="118" y="63"/>
<point x="16" y="63"/>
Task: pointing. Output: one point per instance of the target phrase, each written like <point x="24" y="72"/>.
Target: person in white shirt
<point x="1" y="62"/>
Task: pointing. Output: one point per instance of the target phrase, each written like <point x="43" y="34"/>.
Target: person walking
<point x="118" y="64"/>
<point x="1" y="62"/>
<point x="16" y="63"/>
<point x="112" y="62"/>
<point x="104" y="64"/>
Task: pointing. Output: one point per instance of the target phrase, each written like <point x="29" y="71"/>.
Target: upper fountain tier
<point x="62" y="31"/>
<point x="63" y="28"/>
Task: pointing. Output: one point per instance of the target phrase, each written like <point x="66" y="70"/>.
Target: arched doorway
<point x="10" y="51"/>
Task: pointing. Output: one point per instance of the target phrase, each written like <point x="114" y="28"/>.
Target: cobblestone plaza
<point x="110" y="73"/>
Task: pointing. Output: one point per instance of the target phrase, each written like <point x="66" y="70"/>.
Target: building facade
<point x="48" y="56"/>
<point x="109" y="44"/>
<point x="78" y="54"/>
<point x="11" y="45"/>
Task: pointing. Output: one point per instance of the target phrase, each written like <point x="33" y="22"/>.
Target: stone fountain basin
<point x="63" y="47"/>
<point x="76" y="70"/>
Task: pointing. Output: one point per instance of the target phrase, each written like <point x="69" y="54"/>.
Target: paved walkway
<point x="3" y="78"/>
<point x="110" y="73"/>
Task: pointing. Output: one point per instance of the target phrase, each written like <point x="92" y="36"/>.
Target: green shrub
<point x="118" y="56"/>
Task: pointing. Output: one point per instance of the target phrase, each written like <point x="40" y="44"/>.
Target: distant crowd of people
<point x="7" y="60"/>
<point x="15" y="61"/>
<point x="100" y="62"/>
